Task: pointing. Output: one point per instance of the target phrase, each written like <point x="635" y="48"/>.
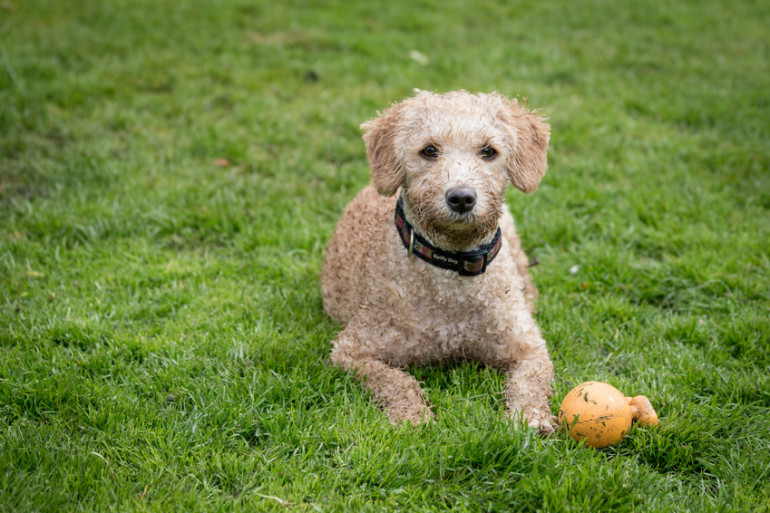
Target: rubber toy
<point x="600" y="415"/>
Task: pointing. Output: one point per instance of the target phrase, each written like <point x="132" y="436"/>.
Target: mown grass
<point x="171" y="172"/>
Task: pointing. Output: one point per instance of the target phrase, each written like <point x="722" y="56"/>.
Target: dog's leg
<point x="395" y="390"/>
<point x="528" y="388"/>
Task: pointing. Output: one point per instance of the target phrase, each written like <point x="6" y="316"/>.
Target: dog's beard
<point x="449" y="230"/>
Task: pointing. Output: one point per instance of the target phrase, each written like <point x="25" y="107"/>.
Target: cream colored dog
<point x="440" y="274"/>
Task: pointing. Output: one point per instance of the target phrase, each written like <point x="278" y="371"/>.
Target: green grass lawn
<point x="170" y="173"/>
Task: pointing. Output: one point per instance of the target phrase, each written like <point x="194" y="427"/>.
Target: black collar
<point x="466" y="263"/>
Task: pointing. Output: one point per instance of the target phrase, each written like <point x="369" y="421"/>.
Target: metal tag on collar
<point x="411" y="243"/>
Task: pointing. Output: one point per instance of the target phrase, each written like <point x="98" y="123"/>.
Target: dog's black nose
<point x="461" y="199"/>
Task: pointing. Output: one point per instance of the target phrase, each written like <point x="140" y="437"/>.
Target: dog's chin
<point x="465" y="230"/>
<point x="461" y="223"/>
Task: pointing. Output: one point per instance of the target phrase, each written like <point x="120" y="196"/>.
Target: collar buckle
<point x="473" y="266"/>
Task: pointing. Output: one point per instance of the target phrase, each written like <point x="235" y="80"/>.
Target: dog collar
<point x="466" y="263"/>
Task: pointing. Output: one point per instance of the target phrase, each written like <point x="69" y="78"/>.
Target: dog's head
<point x="453" y="155"/>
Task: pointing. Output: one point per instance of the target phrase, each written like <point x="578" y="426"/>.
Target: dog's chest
<point x="452" y="316"/>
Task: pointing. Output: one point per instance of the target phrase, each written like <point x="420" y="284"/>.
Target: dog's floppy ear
<point x="387" y="173"/>
<point x="528" y="160"/>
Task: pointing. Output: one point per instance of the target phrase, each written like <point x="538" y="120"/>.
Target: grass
<point x="170" y="174"/>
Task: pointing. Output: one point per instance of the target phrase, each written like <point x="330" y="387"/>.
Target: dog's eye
<point x="488" y="152"/>
<point x="429" y="152"/>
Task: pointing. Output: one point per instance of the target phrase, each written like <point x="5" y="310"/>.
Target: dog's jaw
<point x="448" y="230"/>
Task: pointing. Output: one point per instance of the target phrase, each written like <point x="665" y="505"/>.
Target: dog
<point x="425" y="264"/>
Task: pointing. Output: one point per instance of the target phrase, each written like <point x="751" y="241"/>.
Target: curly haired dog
<point x="440" y="274"/>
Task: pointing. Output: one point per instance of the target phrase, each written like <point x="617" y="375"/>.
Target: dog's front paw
<point x="545" y="428"/>
<point x="541" y="420"/>
<point x="414" y="414"/>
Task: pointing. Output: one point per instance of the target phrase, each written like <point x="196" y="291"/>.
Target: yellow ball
<point x="596" y="413"/>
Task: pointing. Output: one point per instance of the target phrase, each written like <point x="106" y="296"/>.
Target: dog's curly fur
<point x="399" y="310"/>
